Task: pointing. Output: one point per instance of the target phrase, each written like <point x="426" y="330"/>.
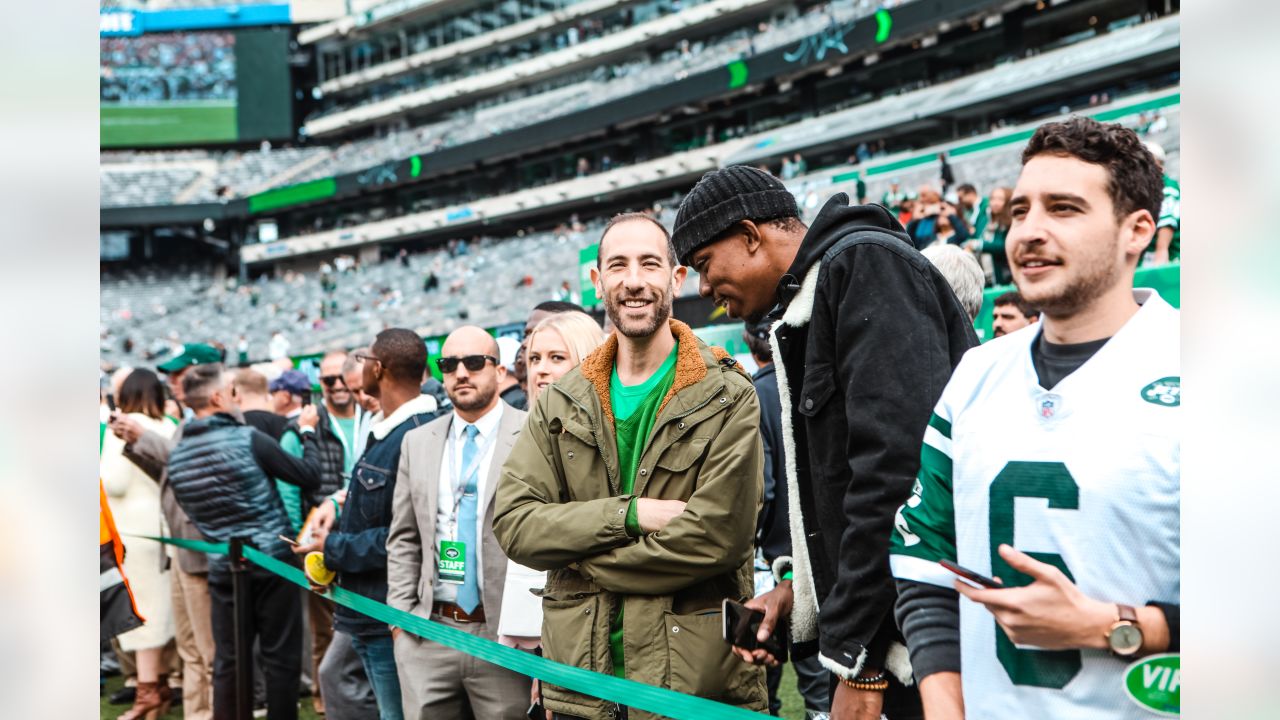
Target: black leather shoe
<point x="123" y="696"/>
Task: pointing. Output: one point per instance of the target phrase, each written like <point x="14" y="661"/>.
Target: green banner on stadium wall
<point x="293" y="194"/>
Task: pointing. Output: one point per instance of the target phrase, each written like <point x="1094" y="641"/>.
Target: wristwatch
<point x="1125" y="636"/>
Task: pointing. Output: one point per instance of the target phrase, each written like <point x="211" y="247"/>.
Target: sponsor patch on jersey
<point x="1155" y="684"/>
<point x="1166" y="391"/>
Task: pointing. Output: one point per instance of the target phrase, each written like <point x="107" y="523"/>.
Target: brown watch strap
<point x="1126" y="613"/>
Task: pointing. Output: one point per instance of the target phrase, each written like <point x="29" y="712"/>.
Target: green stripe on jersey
<point x="940" y="425"/>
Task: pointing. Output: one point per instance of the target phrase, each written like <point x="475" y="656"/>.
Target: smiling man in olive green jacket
<point x="635" y="484"/>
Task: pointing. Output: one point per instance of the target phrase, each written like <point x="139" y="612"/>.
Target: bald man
<point x="443" y="561"/>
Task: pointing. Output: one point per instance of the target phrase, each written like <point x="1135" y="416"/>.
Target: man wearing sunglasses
<point x="443" y="561"/>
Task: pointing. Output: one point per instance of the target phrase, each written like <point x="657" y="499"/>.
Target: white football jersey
<point x="1084" y="476"/>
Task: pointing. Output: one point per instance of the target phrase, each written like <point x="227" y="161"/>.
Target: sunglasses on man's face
<point x="473" y="363"/>
<point x="331" y="380"/>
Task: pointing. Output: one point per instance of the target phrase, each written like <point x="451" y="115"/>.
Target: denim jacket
<point x="357" y="548"/>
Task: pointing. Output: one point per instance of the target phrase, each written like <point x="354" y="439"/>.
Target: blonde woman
<point x="134" y="499"/>
<point x="556" y="346"/>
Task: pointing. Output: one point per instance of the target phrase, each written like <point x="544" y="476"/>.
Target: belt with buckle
<point x="457" y="614"/>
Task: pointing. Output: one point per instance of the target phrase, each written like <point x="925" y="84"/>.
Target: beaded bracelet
<point x="877" y="683"/>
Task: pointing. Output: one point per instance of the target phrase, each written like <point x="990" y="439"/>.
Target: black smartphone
<point x="111" y="402"/>
<point x="536" y="712"/>
<point x="970" y="575"/>
<point x="741" y="625"/>
<point x="306" y="398"/>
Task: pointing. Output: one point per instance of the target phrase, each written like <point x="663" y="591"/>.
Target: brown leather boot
<point x="150" y="703"/>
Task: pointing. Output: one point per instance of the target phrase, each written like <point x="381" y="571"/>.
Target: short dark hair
<point x="559" y="306"/>
<point x="1014" y="297"/>
<point x="756" y="336"/>
<point x="198" y="382"/>
<point x="627" y="217"/>
<point x="1134" y="180"/>
<point x="967" y="187"/>
<point x="402" y="353"/>
<point x="142" y="392"/>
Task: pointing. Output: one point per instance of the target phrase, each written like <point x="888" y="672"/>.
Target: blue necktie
<point x="469" y="592"/>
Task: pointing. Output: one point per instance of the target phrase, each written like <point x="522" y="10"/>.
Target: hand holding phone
<point x="741" y="625"/>
<point x="971" y="575"/>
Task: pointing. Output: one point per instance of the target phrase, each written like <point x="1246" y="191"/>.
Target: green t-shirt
<point x="292" y="444"/>
<point x="291" y="494"/>
<point x="635" y="408"/>
<point x="347" y="428"/>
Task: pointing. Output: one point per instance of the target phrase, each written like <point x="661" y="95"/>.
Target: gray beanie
<point x="724" y="197"/>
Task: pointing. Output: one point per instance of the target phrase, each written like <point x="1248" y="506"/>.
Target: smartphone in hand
<point x="972" y="576"/>
<point x="741" y="625"/>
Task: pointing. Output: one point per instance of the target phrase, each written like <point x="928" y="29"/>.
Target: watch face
<point x="1125" y="639"/>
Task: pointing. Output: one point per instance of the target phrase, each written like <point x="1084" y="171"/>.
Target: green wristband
<point x="337" y="509"/>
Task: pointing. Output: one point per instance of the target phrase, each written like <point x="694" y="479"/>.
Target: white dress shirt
<point x="487" y="438"/>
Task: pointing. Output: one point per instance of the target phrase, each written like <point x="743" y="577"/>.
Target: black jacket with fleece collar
<point x="866" y="335"/>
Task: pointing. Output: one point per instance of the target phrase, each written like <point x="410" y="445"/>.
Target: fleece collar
<point x="382" y="426"/>
<point x="836" y="219"/>
<point x="690" y="367"/>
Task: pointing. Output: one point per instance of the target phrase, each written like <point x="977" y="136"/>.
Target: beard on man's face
<point x="659" y="312"/>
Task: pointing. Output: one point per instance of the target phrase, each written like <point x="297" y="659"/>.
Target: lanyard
<point x="469" y="470"/>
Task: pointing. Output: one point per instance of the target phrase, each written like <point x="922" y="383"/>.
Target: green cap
<point x="192" y="354"/>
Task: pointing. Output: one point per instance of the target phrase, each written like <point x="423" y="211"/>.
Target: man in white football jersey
<point x="1052" y="460"/>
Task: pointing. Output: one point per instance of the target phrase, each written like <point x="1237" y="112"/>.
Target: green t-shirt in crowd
<point x="635" y="408"/>
<point x="347" y="427"/>
<point x="292" y="444"/>
<point x="291" y="494"/>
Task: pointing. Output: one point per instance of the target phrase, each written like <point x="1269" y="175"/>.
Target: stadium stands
<point x="517" y="109"/>
<point x="494" y="279"/>
<point x="624" y="80"/>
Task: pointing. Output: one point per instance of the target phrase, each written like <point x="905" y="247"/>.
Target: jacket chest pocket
<point x="371" y="501"/>
<point x="819" y="387"/>
<point x="584" y="470"/>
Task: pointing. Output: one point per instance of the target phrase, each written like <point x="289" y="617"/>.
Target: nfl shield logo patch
<point x="1048" y="406"/>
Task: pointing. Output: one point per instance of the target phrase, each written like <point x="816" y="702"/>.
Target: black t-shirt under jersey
<point x="1053" y="362"/>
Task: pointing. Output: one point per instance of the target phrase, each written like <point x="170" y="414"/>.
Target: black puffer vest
<point x="224" y="491"/>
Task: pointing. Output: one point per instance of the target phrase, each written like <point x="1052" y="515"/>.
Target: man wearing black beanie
<point x="866" y="333"/>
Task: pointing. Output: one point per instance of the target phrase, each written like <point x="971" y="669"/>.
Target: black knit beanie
<point x="726" y="196"/>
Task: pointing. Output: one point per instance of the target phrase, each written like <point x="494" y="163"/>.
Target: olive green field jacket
<point x="558" y="508"/>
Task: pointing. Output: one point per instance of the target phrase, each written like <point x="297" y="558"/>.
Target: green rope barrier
<point x="606" y="687"/>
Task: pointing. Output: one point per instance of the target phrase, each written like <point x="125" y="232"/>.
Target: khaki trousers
<point x="320" y="614"/>
<point x="194" y="631"/>
<point x="440" y="683"/>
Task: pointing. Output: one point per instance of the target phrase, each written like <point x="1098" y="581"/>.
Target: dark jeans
<point x="275" y="620"/>
<point x="813" y="682"/>
<point x="379" y="662"/>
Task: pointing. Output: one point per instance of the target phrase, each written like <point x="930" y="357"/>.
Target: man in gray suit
<point x="443" y="561"/>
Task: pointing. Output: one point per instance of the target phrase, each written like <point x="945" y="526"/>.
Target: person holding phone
<point x="1050" y="470"/>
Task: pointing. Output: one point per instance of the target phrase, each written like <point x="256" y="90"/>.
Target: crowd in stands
<point x="167" y="67"/>
<point x="435" y="290"/>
